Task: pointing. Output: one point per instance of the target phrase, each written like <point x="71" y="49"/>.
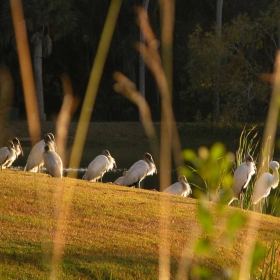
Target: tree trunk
<point x="219" y="14"/>
<point x="216" y="97"/>
<point x="38" y="50"/>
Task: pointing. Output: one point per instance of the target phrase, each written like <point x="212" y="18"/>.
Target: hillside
<point x="104" y="231"/>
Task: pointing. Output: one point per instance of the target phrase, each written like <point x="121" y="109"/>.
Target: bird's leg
<point x="138" y="184"/>
<point x="241" y="200"/>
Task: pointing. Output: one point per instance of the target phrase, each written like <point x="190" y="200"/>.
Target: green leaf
<point x="203" y="246"/>
<point x="205" y="217"/>
<point x="259" y="253"/>
<point x="201" y="272"/>
<point x="189" y="155"/>
<point x="235" y="222"/>
<point x="217" y="151"/>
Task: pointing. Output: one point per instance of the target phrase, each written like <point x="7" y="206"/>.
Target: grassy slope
<point x="112" y="231"/>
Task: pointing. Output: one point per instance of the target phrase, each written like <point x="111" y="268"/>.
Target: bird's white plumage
<point x="139" y="170"/>
<point x="18" y="151"/>
<point x="242" y="177"/>
<point x="7" y="155"/>
<point x="119" y="180"/>
<point x="52" y="162"/>
<point x="18" y="147"/>
<point x="181" y="187"/>
<point x="99" y="166"/>
<point x="35" y="158"/>
<point x="266" y="182"/>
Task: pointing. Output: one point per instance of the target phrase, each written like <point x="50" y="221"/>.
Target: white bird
<point x="35" y="158"/>
<point x="181" y="187"/>
<point x="52" y="161"/>
<point x="119" y="180"/>
<point x="18" y="150"/>
<point x="14" y="156"/>
<point x="265" y="182"/>
<point x="139" y="170"/>
<point x="18" y="147"/>
<point x="241" y="179"/>
<point x="99" y="166"/>
<point x="7" y="155"/>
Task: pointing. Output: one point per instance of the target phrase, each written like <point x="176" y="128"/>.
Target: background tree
<point x="216" y="96"/>
<point x="241" y="50"/>
<point x="67" y="33"/>
<point x="47" y="21"/>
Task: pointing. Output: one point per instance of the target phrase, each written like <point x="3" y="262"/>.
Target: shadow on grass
<point x="114" y="267"/>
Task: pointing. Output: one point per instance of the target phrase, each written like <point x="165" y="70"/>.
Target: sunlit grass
<point x="113" y="231"/>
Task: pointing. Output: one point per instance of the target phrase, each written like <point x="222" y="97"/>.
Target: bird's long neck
<point x="185" y="185"/>
<point x="275" y="179"/>
<point x="251" y="168"/>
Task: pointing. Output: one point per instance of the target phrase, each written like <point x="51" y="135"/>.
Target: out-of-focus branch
<point x="79" y="141"/>
<point x="69" y="106"/>
<point x="167" y="11"/>
<point x="153" y="62"/>
<point x="93" y="84"/>
<point x="169" y="134"/>
<point x="267" y="147"/>
<point x="26" y="71"/>
<point x="149" y="36"/>
<point x="268" y="139"/>
<point x="126" y="87"/>
<point x="6" y="100"/>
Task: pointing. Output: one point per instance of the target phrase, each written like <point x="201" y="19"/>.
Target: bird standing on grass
<point x="139" y="170"/>
<point x="35" y="158"/>
<point x="181" y="188"/>
<point x="18" y="150"/>
<point x="265" y="182"/>
<point x="119" y="180"/>
<point x="241" y="179"/>
<point x="52" y="161"/>
<point x="99" y="166"/>
<point x="7" y="155"/>
<point x="18" y="147"/>
<point x="13" y="156"/>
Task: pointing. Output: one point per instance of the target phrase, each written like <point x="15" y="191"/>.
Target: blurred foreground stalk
<point x="26" y="71"/>
<point x="267" y="148"/>
<point x="93" y="85"/>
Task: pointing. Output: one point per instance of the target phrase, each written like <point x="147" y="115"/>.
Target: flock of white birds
<point x="44" y="154"/>
<point x="242" y="176"/>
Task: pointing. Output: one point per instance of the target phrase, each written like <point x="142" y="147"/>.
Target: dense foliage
<point x="205" y="61"/>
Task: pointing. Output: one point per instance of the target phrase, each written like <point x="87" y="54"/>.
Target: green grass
<point x="112" y="232"/>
